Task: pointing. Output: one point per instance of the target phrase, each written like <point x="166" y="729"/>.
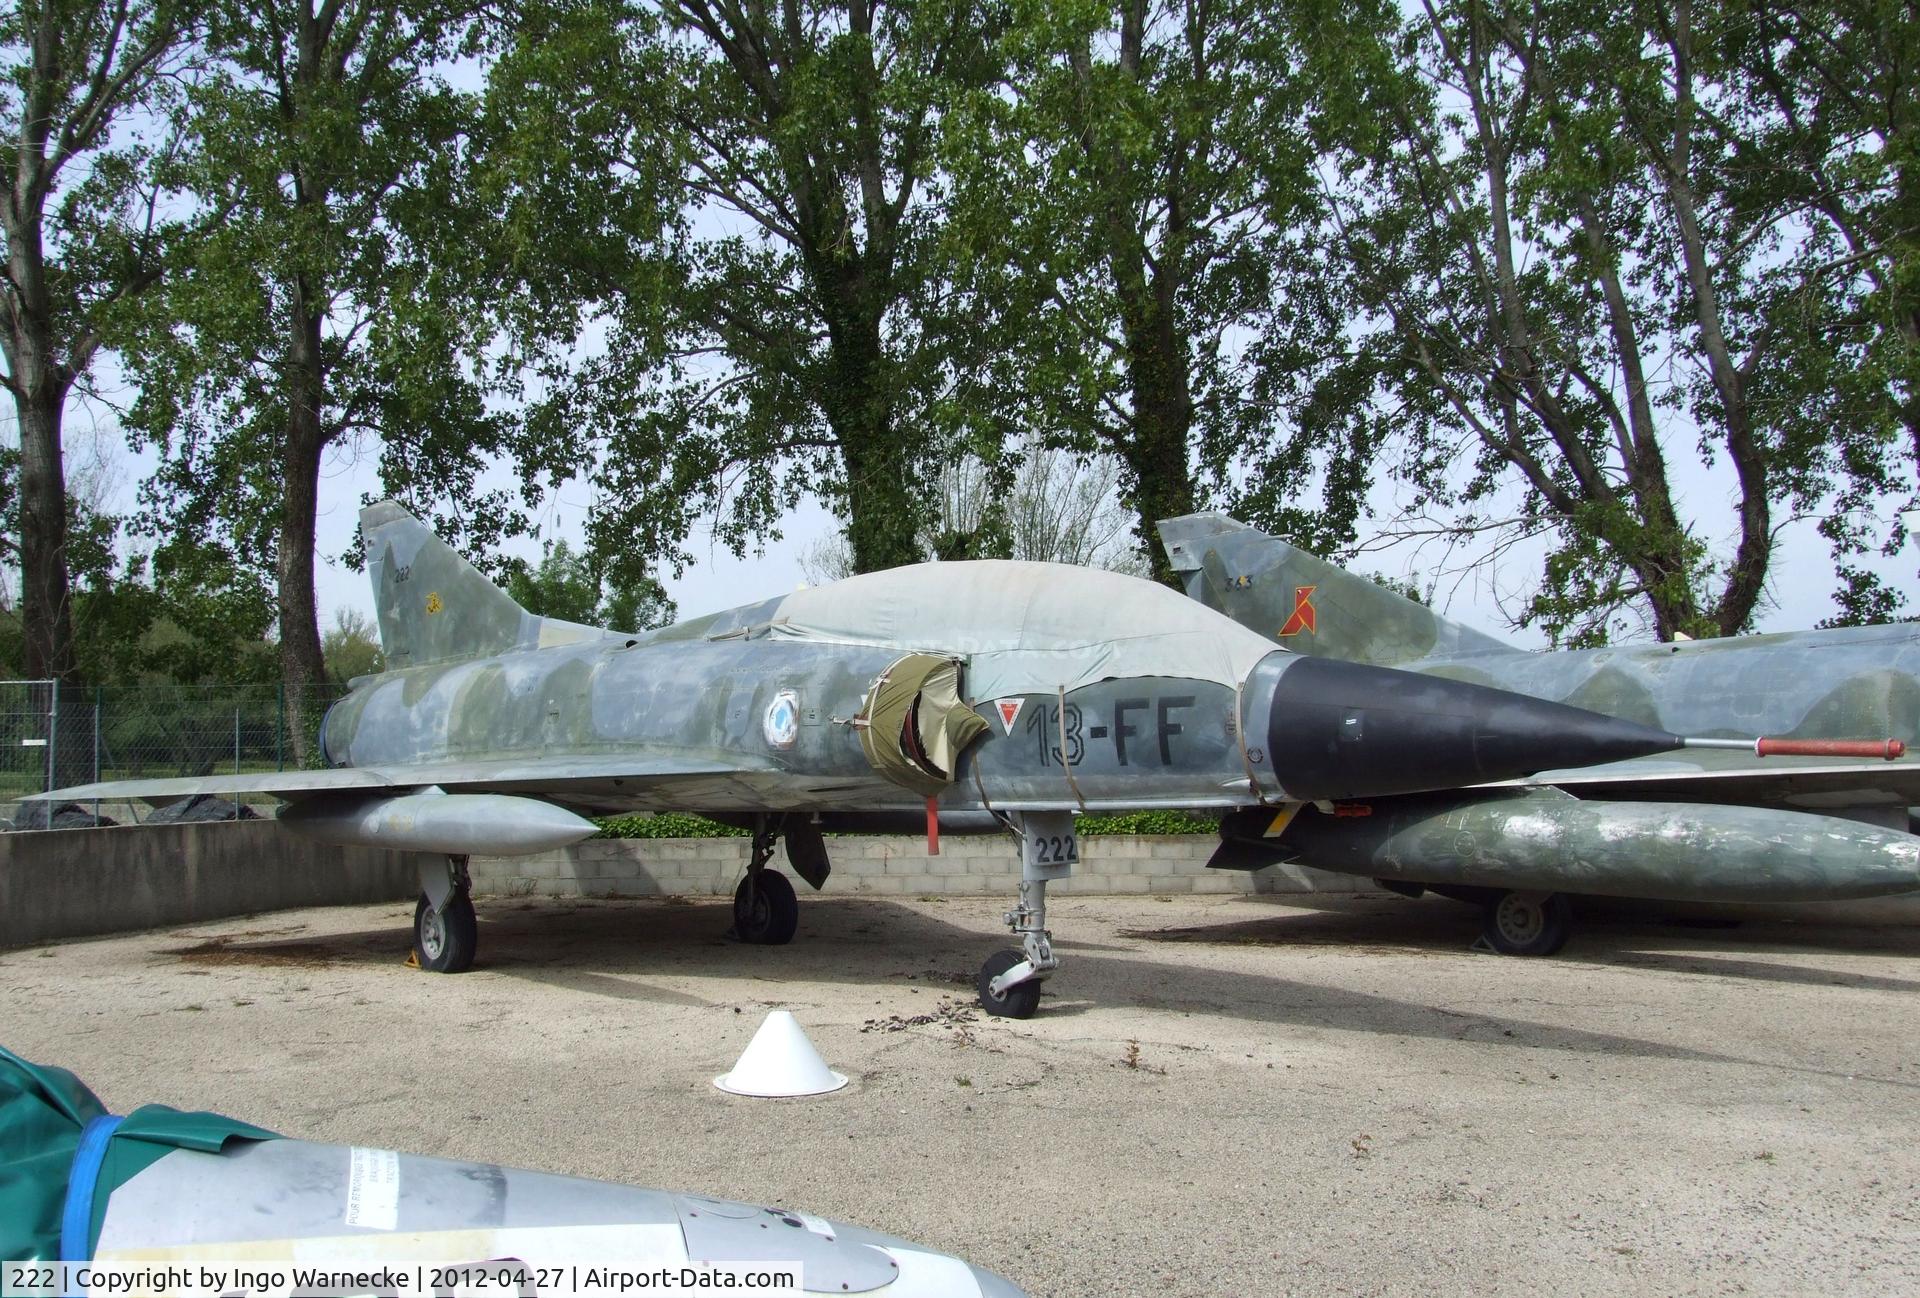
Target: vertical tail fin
<point x="1307" y="604"/>
<point x="434" y="606"/>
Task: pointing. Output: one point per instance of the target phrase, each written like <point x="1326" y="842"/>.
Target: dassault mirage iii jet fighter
<point x="982" y="695"/>
<point x="1716" y="825"/>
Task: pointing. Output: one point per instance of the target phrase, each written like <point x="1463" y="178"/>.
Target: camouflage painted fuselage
<point x="1142" y="742"/>
<point x="1837" y="684"/>
<point x="1847" y="683"/>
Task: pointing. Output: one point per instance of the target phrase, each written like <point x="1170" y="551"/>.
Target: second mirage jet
<point x="1734" y="823"/>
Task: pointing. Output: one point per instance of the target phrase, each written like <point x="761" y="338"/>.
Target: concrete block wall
<point x="82" y="882"/>
<point x="60" y="883"/>
<point x="886" y="866"/>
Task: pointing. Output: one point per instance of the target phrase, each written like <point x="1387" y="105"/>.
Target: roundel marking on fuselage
<point x="781" y="724"/>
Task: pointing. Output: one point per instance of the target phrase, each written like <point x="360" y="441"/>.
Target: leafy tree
<point x="576" y="588"/>
<point x="334" y="305"/>
<point x="203" y="624"/>
<point x="87" y="550"/>
<point x="1830" y="114"/>
<point x="1579" y="262"/>
<point x="352" y="647"/>
<point x="1148" y="182"/>
<point x="752" y="215"/>
<point x="193" y="618"/>
<point x="79" y="230"/>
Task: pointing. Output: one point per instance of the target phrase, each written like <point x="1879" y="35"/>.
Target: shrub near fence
<point x="670" y="824"/>
<point x="150" y="732"/>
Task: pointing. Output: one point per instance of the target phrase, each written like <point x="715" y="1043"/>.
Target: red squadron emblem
<point x="1303" y="618"/>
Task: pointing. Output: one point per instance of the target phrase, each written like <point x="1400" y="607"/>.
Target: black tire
<point x="765" y="911"/>
<point x="1520" y="923"/>
<point x="444" y="942"/>
<point x="1017" y="1002"/>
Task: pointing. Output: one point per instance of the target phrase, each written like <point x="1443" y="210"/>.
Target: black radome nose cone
<point x="1348" y="730"/>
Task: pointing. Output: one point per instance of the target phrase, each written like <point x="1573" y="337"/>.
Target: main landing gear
<point x="445" y="931"/>
<point x="765" y="911"/>
<point x="1009" y="982"/>
<point x="1516" y="923"/>
<point x="1528" y="923"/>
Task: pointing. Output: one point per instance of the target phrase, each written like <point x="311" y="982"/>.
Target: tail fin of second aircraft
<point x="1306" y="603"/>
<point x="434" y="606"/>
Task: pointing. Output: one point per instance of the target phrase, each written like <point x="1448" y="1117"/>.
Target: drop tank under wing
<point x="1702" y="824"/>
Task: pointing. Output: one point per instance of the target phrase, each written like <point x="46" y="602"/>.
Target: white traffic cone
<point x="780" y="1061"/>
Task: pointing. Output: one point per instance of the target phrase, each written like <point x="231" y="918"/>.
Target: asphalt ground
<point x="1220" y="1096"/>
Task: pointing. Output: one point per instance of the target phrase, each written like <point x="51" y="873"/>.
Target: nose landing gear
<point x="1009" y="982"/>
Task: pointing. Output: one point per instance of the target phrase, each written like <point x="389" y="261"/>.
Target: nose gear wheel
<point x="1016" y="1002"/>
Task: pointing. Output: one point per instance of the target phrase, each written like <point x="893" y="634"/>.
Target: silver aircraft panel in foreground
<point x="1696" y="825"/>
<point x="975" y="696"/>
<point x="160" y="1194"/>
<point x="525" y="1231"/>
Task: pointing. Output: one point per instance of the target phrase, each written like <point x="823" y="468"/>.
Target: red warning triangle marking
<point x="1008" y="710"/>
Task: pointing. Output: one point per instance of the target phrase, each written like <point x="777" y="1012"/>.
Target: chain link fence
<point x="54" y="735"/>
<point x="26" y="737"/>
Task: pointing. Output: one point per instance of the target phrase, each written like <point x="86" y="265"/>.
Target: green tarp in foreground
<point x="42" y="1113"/>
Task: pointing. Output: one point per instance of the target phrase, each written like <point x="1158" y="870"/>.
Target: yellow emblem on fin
<point x="433" y="602"/>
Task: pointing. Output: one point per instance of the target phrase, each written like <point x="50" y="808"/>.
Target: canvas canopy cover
<point x="44" y="1112"/>
<point x="1027" y="628"/>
